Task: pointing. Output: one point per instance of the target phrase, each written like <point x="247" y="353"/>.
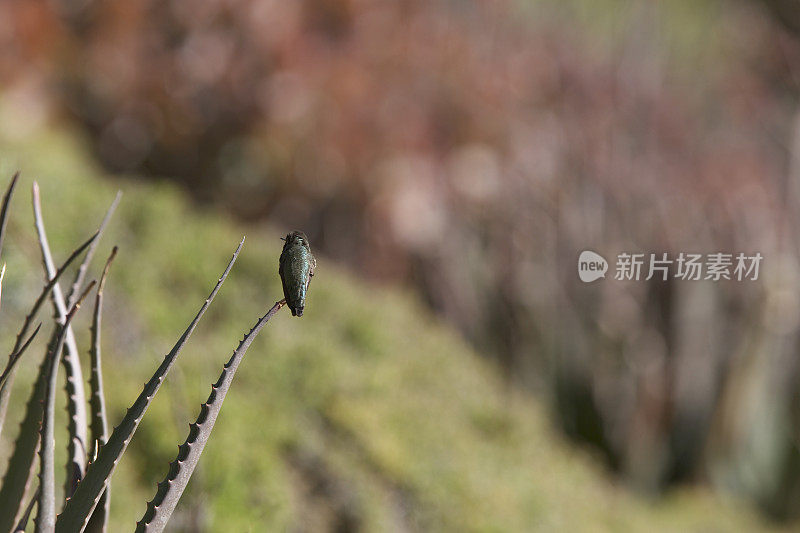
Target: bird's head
<point x="296" y="238"/>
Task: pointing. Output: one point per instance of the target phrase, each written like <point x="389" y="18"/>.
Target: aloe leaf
<point x="76" y="398"/>
<point x="160" y="508"/>
<point x="20" y="465"/>
<point x="12" y="361"/>
<point x="98" y="523"/>
<point x="46" y="514"/>
<point x="4" y="219"/>
<point x="5" y="391"/>
<point x="79" y="507"/>
<point x="80" y="276"/>
<point x="4" y="210"/>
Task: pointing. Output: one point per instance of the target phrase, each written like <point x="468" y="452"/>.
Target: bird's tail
<point x="298" y="311"/>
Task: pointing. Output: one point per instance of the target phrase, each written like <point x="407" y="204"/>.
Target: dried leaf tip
<point x="106" y="268"/>
<point x="81" y="297"/>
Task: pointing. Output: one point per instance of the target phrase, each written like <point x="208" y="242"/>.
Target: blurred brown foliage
<point x="475" y="148"/>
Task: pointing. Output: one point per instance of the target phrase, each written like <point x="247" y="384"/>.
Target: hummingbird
<point x="296" y="267"/>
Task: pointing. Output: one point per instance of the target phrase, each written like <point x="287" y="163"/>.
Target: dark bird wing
<point x="282" y="274"/>
<point x="311" y="272"/>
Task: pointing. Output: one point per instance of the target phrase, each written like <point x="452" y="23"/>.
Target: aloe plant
<point x="76" y="402"/>
<point x="18" y="472"/>
<point x="4" y="392"/>
<point x="91" y="462"/>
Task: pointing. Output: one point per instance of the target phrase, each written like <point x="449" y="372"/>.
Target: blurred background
<point x="462" y="154"/>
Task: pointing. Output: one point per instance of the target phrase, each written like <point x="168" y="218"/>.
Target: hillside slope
<point x="364" y="413"/>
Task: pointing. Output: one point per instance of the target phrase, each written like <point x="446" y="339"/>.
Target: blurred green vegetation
<point x="366" y="413"/>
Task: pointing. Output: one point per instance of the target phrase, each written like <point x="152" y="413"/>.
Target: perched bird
<point x="296" y="267"/>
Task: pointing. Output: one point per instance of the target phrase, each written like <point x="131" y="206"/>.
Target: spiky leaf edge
<point x="6" y="389"/>
<point x="76" y="398"/>
<point x="16" y="356"/>
<point x="160" y="508"/>
<point x="98" y="426"/>
<point x="79" y="507"/>
<point x="46" y="505"/>
<point x="20" y="466"/>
